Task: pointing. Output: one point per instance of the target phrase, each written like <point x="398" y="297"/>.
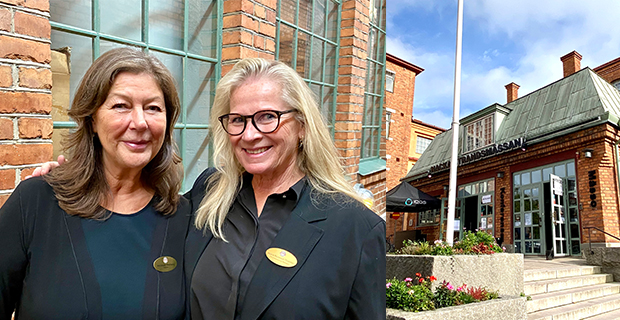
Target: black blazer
<point x="45" y="268"/>
<point x="340" y="273"/>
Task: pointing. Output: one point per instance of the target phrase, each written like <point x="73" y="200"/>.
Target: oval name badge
<point x="165" y="264"/>
<point x="281" y="257"/>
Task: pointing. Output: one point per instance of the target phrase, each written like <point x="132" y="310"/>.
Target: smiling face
<point x="131" y="123"/>
<point x="266" y="155"/>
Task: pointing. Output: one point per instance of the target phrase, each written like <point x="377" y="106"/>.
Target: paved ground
<point x="530" y="263"/>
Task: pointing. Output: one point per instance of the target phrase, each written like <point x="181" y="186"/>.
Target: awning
<point x="407" y="198"/>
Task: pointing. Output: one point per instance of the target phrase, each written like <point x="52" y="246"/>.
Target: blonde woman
<point x="280" y="232"/>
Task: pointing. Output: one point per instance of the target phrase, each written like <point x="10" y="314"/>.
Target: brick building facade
<point x="537" y="172"/>
<point x="337" y="46"/>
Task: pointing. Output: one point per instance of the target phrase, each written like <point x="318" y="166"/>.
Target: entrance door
<point x="470" y="221"/>
<point x="558" y="219"/>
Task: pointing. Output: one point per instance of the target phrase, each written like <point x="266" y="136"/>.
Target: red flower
<point x="421" y="280"/>
<point x="433" y="278"/>
<point x="418" y="275"/>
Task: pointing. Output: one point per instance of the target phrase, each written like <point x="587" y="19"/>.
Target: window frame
<point x="479" y="129"/>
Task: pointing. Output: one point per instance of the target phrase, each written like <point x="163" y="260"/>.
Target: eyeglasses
<point x="265" y="121"/>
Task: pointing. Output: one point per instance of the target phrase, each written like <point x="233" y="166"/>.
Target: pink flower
<point x="387" y="285"/>
<point x="408" y="279"/>
<point x="449" y="286"/>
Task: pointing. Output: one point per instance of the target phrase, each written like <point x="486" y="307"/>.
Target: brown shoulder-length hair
<point x="80" y="184"/>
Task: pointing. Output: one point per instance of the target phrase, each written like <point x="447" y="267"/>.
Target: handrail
<point x="589" y="238"/>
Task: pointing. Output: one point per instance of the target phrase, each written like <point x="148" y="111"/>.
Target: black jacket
<point x="340" y="273"/>
<point x="45" y="268"/>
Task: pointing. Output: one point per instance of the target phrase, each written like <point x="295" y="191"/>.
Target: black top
<point x="225" y="269"/>
<point x="47" y="270"/>
<point x="339" y="245"/>
<point x="117" y="245"/>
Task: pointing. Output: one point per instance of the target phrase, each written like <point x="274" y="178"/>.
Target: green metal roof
<point x="580" y="100"/>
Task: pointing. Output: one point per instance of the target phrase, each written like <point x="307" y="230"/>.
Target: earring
<point x="300" y="145"/>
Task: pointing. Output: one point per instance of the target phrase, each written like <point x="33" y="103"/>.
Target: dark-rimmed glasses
<point x="265" y="121"/>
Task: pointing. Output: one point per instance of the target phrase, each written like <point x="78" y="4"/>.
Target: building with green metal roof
<point x="536" y="172"/>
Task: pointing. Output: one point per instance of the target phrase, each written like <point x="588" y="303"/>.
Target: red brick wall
<point x="25" y="96"/>
<point x="609" y="71"/>
<point x="401" y="100"/>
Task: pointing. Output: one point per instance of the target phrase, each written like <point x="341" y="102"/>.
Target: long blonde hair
<point x="318" y="159"/>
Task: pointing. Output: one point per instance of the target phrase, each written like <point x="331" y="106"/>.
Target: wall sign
<point x="484" y="153"/>
<point x="592" y="184"/>
<point x="487" y="199"/>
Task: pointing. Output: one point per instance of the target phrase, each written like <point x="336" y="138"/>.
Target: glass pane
<point x="376" y="105"/>
<point x="517" y="179"/>
<point x="305" y="14"/>
<point x="517" y="233"/>
<point x="571" y="184"/>
<point x="535" y="192"/>
<point x="528" y="247"/>
<point x="105" y="46"/>
<point x="517" y="193"/>
<point x="574" y="230"/>
<point x="525" y="178"/>
<point x="537" y="247"/>
<point x="536" y="218"/>
<point x="288" y="9"/>
<point x="528" y="219"/>
<point x="57" y="140"/>
<point x="572" y="199"/>
<point x="122" y="19"/>
<point x="332" y="19"/>
<point x="527" y="193"/>
<point x="528" y="233"/>
<point x="202" y="28"/>
<point x="536" y="176"/>
<point x="372" y="44"/>
<point x="286" y="44"/>
<point x="461" y="191"/>
<point x="166" y="23"/>
<point x="491" y="185"/>
<point x="175" y="65"/>
<point x="327" y="104"/>
<point x="527" y="205"/>
<point x="564" y="246"/>
<point x="200" y="87"/>
<point x="517" y="206"/>
<point x="77" y="13"/>
<point x="367" y="143"/>
<point x="517" y="220"/>
<point x="76" y="63"/>
<point x="570" y="168"/>
<point x="536" y="231"/>
<point x="303" y="54"/>
<point x="319" y="17"/>
<point x="196" y="157"/>
<point x="573" y="214"/>
<point x="546" y="172"/>
<point x="518" y="247"/>
<point x="482" y="187"/>
<point x="317" y="59"/>
<point x="535" y="205"/>
<point x="330" y="63"/>
<point x="368" y="111"/>
<point x="560" y="171"/>
<point x="371" y="75"/>
<point x="575" y="247"/>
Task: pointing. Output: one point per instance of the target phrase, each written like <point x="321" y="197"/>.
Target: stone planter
<point x="505" y="308"/>
<point x="502" y="272"/>
<point x="608" y="258"/>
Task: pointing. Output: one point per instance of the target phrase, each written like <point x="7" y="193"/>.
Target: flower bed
<point x="504" y="308"/>
<point x="473" y="261"/>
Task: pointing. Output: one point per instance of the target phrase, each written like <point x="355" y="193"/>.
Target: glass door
<point x="528" y="225"/>
<point x="558" y="220"/>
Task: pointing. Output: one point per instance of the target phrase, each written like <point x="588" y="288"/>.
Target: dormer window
<point x="479" y="133"/>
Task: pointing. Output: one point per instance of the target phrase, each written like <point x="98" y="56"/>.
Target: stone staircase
<point x="571" y="292"/>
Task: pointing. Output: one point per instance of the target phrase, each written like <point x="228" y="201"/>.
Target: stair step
<point x="606" y="316"/>
<point x="558" y="298"/>
<point x="579" y="310"/>
<point x="544" y="274"/>
<point x="544" y="286"/>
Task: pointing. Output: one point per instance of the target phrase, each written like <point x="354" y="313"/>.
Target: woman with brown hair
<point x="101" y="236"/>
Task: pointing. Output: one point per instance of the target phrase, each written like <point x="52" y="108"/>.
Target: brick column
<point x="351" y="83"/>
<point x="249" y="31"/>
<point x="25" y="90"/>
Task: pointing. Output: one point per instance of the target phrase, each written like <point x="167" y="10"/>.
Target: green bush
<point x="479" y="242"/>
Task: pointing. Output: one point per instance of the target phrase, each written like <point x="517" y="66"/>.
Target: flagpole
<point x="455" y="126"/>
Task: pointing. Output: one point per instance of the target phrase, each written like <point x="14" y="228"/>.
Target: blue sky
<point x="503" y="41"/>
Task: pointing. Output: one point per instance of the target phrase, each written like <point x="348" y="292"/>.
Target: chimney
<point x="512" y="90"/>
<point x="571" y="63"/>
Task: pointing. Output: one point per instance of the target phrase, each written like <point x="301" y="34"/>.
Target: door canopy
<point x="407" y="198"/>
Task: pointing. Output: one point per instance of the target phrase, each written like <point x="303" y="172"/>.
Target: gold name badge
<point x="165" y="264"/>
<point x="281" y="257"/>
